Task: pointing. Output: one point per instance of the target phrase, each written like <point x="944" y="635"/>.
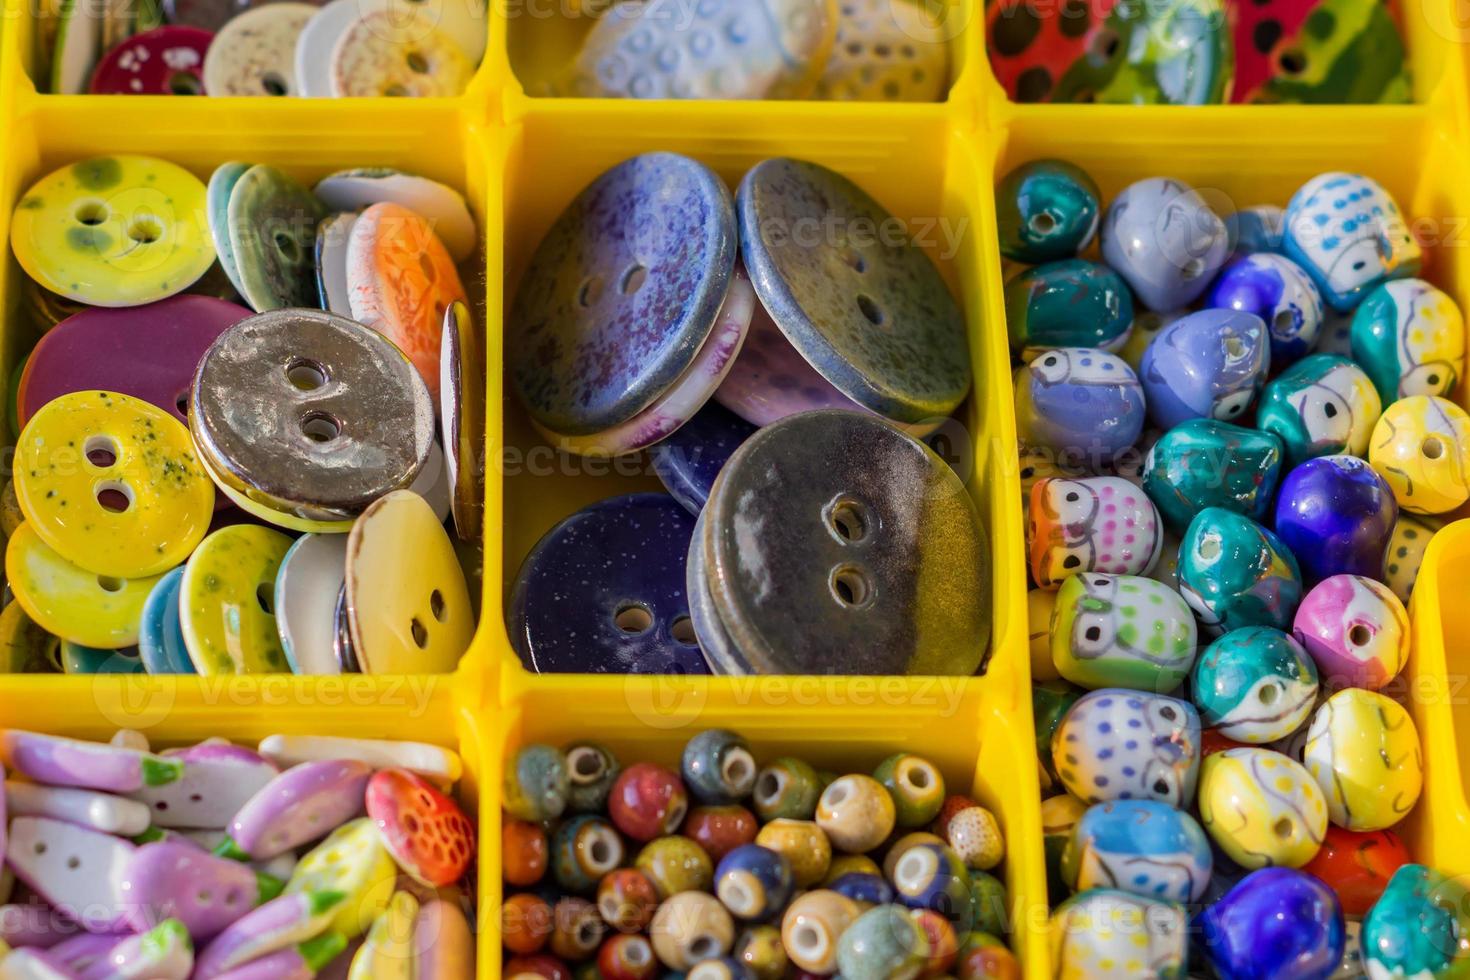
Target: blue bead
<point x="754" y="882"/>
<point x="1276" y="922"/>
<point x="1336" y="514"/>
<point x="1275" y="289"/>
<point x="862" y="887"/>
<point x="1079" y="401"/>
<point x="1209" y="364"/>
<point x="1162" y="237"/>
<point x="689" y="460"/>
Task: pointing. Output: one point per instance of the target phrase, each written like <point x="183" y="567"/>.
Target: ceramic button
<point x="58" y="761"/>
<point x="160" y="638"/>
<point x="407" y="600"/>
<point x="227" y="603"/>
<point x="164" y="61"/>
<point x="78" y="659"/>
<point x="886" y="52"/>
<point x="436" y="764"/>
<point x="442" y="206"/>
<point x="352" y="860"/>
<point x="384" y="53"/>
<point x="102" y="812"/>
<point x="217" y="210"/>
<point x="343" y="651"/>
<point x="388" y="951"/>
<point x="255" y="53"/>
<point x="26" y="648"/>
<point x="180" y="880"/>
<point x="462" y="418"/>
<point x="689" y="461"/>
<point x="401" y="282"/>
<point x="829" y="519"/>
<point x="84" y="607"/>
<point x="112" y="483"/>
<point x="76" y="45"/>
<point x="73" y="868"/>
<point x="264" y="514"/>
<point x="218" y="779"/>
<point x="604" y="592"/>
<point x="114" y="231"/>
<point x="312" y="573"/>
<point x="332" y="237"/>
<point x="295" y="806"/>
<point x="271" y="222"/>
<point x="878" y="322"/>
<point x="310" y="413"/>
<point x="278" y="925"/>
<point x="622" y="294"/>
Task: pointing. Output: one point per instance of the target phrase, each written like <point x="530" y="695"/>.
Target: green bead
<point x="884" y="942"/>
<point x="1233" y="573"/>
<point x="536" y="784"/>
<point x="1050" y="702"/>
<point x="787" y="788"/>
<point x="1046" y="210"/>
<point x="916" y="785"/>
<point x="1067" y="303"/>
<point x="1322" y="405"/>
<point x="1207" y="463"/>
<point x="1122" y="631"/>
<point x="1254" y="685"/>
<point x="988" y="903"/>
<point x="674" y="865"/>
<point x="591" y="771"/>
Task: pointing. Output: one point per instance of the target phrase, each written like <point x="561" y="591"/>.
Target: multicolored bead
<point x="760" y="949"/>
<point x="1276" y="922"/>
<point x="1233" y="573"/>
<point x="536" y="784"/>
<point x="1096" y="524"/>
<point x="1335" y="514"/>
<point x="591" y="771"/>
<point x="1363" y="750"/>
<point x="983" y="956"/>
<point x="626" y="900"/>
<point x="1206" y="463"/>
<point x="584" y="850"/>
<point x="1124" y="745"/>
<point x="1084" y="403"/>
<point x="1356" y="630"/>
<point x="626" y="958"/>
<point x="1421" y="446"/>
<point x="1254" y="685"/>
<point x="932" y="876"/>
<point x="1347" y="232"/>
<point x="787" y="787"/>
<point x="689" y="927"/>
<point x="754" y="882"/>
<point x="1067" y="303"/>
<point x="1098" y="932"/>
<point x="812" y="927"/>
<point x="1122" y="631"/>
<point x="1140" y="846"/>
<point x="803" y="844"/>
<point x="674" y="865"/>
<point x="1050" y="702"/>
<point x="971" y="831"/>
<point x="646" y="801"/>
<point x="1419" y="928"/>
<point x="1046" y="210"/>
<point x="720" y="829"/>
<point x="1209" y="364"/>
<point x="883" y="943"/>
<point x="856" y="813"/>
<point x="717" y="767"/>
<point x="916" y="785"/>
<point x="1275" y="289"/>
<point x="866" y="889"/>
<point x="1162" y="237"/>
<point x="1261" y="808"/>
<point x="1320" y="406"/>
<point x="1410" y="338"/>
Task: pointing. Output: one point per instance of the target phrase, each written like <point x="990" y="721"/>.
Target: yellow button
<point x="112" y="483"/>
<point x="114" y="231"/>
<point x="353" y="861"/>
<point x="94" y="610"/>
<point x="227" y="602"/>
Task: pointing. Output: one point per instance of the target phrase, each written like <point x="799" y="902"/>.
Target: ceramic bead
<point x="916" y="786"/>
<point x="1146" y="326"/>
<point x="1357" y="865"/>
<point x="1206" y="463"/>
<point x="760" y="949"/>
<point x="720" y="829"/>
<point x="1124" y="745"/>
<point x="1040" y="604"/>
<point x="536" y="784"/>
<point x="867" y="890"/>
<point x="525" y="923"/>
<point x="982" y="956"/>
<point x="689" y="927"/>
<point x="1336" y="513"/>
<point x="626" y="900"/>
<point x="1034" y="464"/>
<point x="576" y="930"/>
<point x="932" y="876"/>
<point x="1320" y="406"/>
<point x="717" y="767"/>
<point x="1211" y="364"/>
<point x="1233" y="573"/>
<point x="884" y="943"/>
<point x="754" y="882"/>
<point x="1141" y="846"/>
<point x="1050" y="702"/>
<point x="591" y="771"/>
<point x="1410" y="339"/>
<point x="942" y="945"/>
<point x="1347" y="232"/>
<point x="1059" y="814"/>
<point x="897" y="848"/>
<point x="1097" y="933"/>
<point x="1421" y="446"/>
<point x="803" y="844"/>
<point x="856" y="813"/>
<point x="1122" y="631"/>
<point x="538" y="965"/>
<point x="787" y="788"/>
<point x="971" y="831"/>
<point x="1084" y="404"/>
<point x="585" y="849"/>
<point x="722" y="968"/>
<point x="1068" y="303"/>
<point x="844" y="864"/>
<point x="1161" y="236"/>
<point x="627" y="958"/>
<point x="646" y="801"/>
<point x="1046" y="210"/>
<point x="1261" y="808"/>
<point x="1363" y="750"/>
<point x="812" y="927"/>
<point x="1256" y="229"/>
<point x="675" y="864"/>
<point x="1275" y="923"/>
<point x="988" y="903"/>
<point x="1275" y="289"/>
<point x="1356" y="630"/>
<point x="1419" y="928"/>
<point x="1406" y="547"/>
<point x="523" y="852"/>
<point x="1254" y="685"/>
<point x="1097" y="524"/>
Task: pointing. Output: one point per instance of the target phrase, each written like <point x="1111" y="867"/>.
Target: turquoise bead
<point x="1234" y="573"/>
<point x="1254" y="685"/>
<point x="1141" y="846"/>
<point x="884" y="942"/>
<point x="1418" y="927"/>
<point x="1068" y="303"/>
<point x="1322" y="405"/>
<point x="1410" y="338"/>
<point x="1122" y="631"/>
<point x="1207" y="463"/>
<point x="1046" y="210"/>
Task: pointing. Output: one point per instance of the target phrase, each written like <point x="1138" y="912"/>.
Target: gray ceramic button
<point x="272" y="225"/>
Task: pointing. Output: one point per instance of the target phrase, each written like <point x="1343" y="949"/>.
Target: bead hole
<point x="420" y="635"/>
<point x="101" y="451"/>
<point x="265" y="595"/>
<point x="1193" y="269"/>
<point x="145" y="230"/>
<point x="109" y="584"/>
<point x="855" y="259"/>
<point x="1282" y="828"/>
<point x="850" y="586"/>
<point x="738" y="767"/>
<point x="682" y="630"/>
<point x="633" y="280"/>
<point x="1283" y="321"/>
<point x="114" y="496"/>
<point x="918" y="778"/>
<point x="848" y="520"/>
<point x="286" y="245"/>
<point x="91" y="213"/>
<point x="273" y="84"/>
<point x="768" y="787"/>
<point x="1432" y="448"/>
<point x="704" y="947"/>
<point x="587" y="764"/>
<point x="305" y="374"/>
<point x="633" y="618"/>
<point x="1293" y="61"/>
<point x="1234" y="347"/>
<point x="1268" y="694"/>
<point x="1209" y="548"/>
<point x="1042" y="223"/>
<point x="320" y="427"/>
<point x="437" y="607"/>
<point x="589" y="293"/>
<point x="417" y="63"/>
<point x="1360" y="635"/>
<point x="183" y="83"/>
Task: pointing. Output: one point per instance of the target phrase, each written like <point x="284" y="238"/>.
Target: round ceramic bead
<point x="932" y="876"/>
<point x="1067" y="303"/>
<point x="1120" y="744"/>
<point x="627" y="958"/>
<point x="754" y="882"/>
<point x="536" y="784"/>
<point x="1046" y="210"/>
<point x="1275" y="289"/>
<point x="787" y="787"/>
<point x="1363" y="750"/>
<point x="1421" y="446"/>
<point x="1256" y="229"/>
<point x="1275" y="922"/>
<point x="254" y="53"/>
<point x="883" y="943"/>
<point x="688" y="461"/>
<point x="989" y="903"/>
<point x="1122" y="631"/>
<point x="1233" y="573"/>
<point x="864" y="888"/>
<point x="1209" y="364"/>
<point x="675" y="864"/>
<point x="584" y="849"/>
<point x="1357" y="865"/>
<point x="113" y="231"/>
<point x="972" y="832"/>
<point x="1106" y="929"/>
<point x="690" y="927"/>
<point x="760" y="949"/>
<point x="1261" y="808"/>
<point x="525" y="923"/>
<point x="1096" y="524"/>
<point x="1356" y="630"/>
<point x="1406" y="547"/>
<point x="1320" y="406"/>
<point x="859" y="864"/>
<point x="984" y="956"/>
<point x="916" y="786"/>
<point x="1410" y="339"/>
<point x="895" y="852"/>
<point x="1254" y="685"/>
<point x="717" y="767"/>
<point x="1206" y="463"/>
<point x="227" y="625"/>
<point x="856" y="813"/>
<point x="647" y="801"/>
<point x="1335" y="514"/>
<point x="1419" y="927"/>
<point x="1161" y="236"/>
<point x="576" y="930"/>
<point x="1347" y="232"/>
<point x="884" y="53"/>
<point x="813" y="926"/>
<point x="626" y="900"/>
<point x="720" y="829"/>
<point x="591" y="771"/>
<point x="803" y="843"/>
<point x="723" y="968"/>
<point x="523" y="851"/>
<point x="941" y="942"/>
<point x="537" y="965"/>
<point x="1140" y="846"/>
<point x="1084" y="403"/>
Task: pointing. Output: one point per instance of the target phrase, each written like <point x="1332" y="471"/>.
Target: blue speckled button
<point x="622" y="293"/>
<point x="77" y="659"/>
<point x="875" y="319"/>
<point x="688" y="461"/>
<point x="160" y="639"/>
<point x="603" y="592"/>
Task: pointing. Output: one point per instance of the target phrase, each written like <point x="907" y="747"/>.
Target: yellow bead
<point x="353" y="861"/>
<point x="388" y="951"/>
<point x="75" y="604"/>
<point x="856" y="813"/>
<point x="803" y="843"/>
<point x="226" y="602"/>
<point x="1363" y="750"/>
<point x="1421" y="446"/>
<point x="813" y="924"/>
<point x="1258" y="819"/>
<point x="1040" y="604"/>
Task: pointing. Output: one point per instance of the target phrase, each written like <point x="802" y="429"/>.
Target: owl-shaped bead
<point x="1356" y="630"/>
<point x="1347" y="232"/>
<point x="1141" y="846"/>
<point x="1107" y="932"/>
<point x="1080" y="401"/>
<point x="1117" y="744"/>
<point x="1096" y="524"/>
<point x="1254" y="685"/>
<point x="1421" y="445"/>
<point x="1406" y="547"/>
<point x="1363" y="750"/>
<point x="1410" y="338"/>
<point x="1275" y="289"/>
<point x="1163" y="238"/>
<point x="1233" y="573"/>
<point x="1206" y="463"/>
<point x="1122" y="631"/>
<point x="1418" y="928"/>
<point x="1274" y="922"/>
<point x="1261" y="808"/>
<point x="1209" y="364"/>
<point x="1320" y="406"/>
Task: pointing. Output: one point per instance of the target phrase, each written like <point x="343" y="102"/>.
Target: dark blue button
<point x="689" y="460"/>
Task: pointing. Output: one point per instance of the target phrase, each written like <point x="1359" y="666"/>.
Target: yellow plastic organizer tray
<point x="520" y="159"/>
